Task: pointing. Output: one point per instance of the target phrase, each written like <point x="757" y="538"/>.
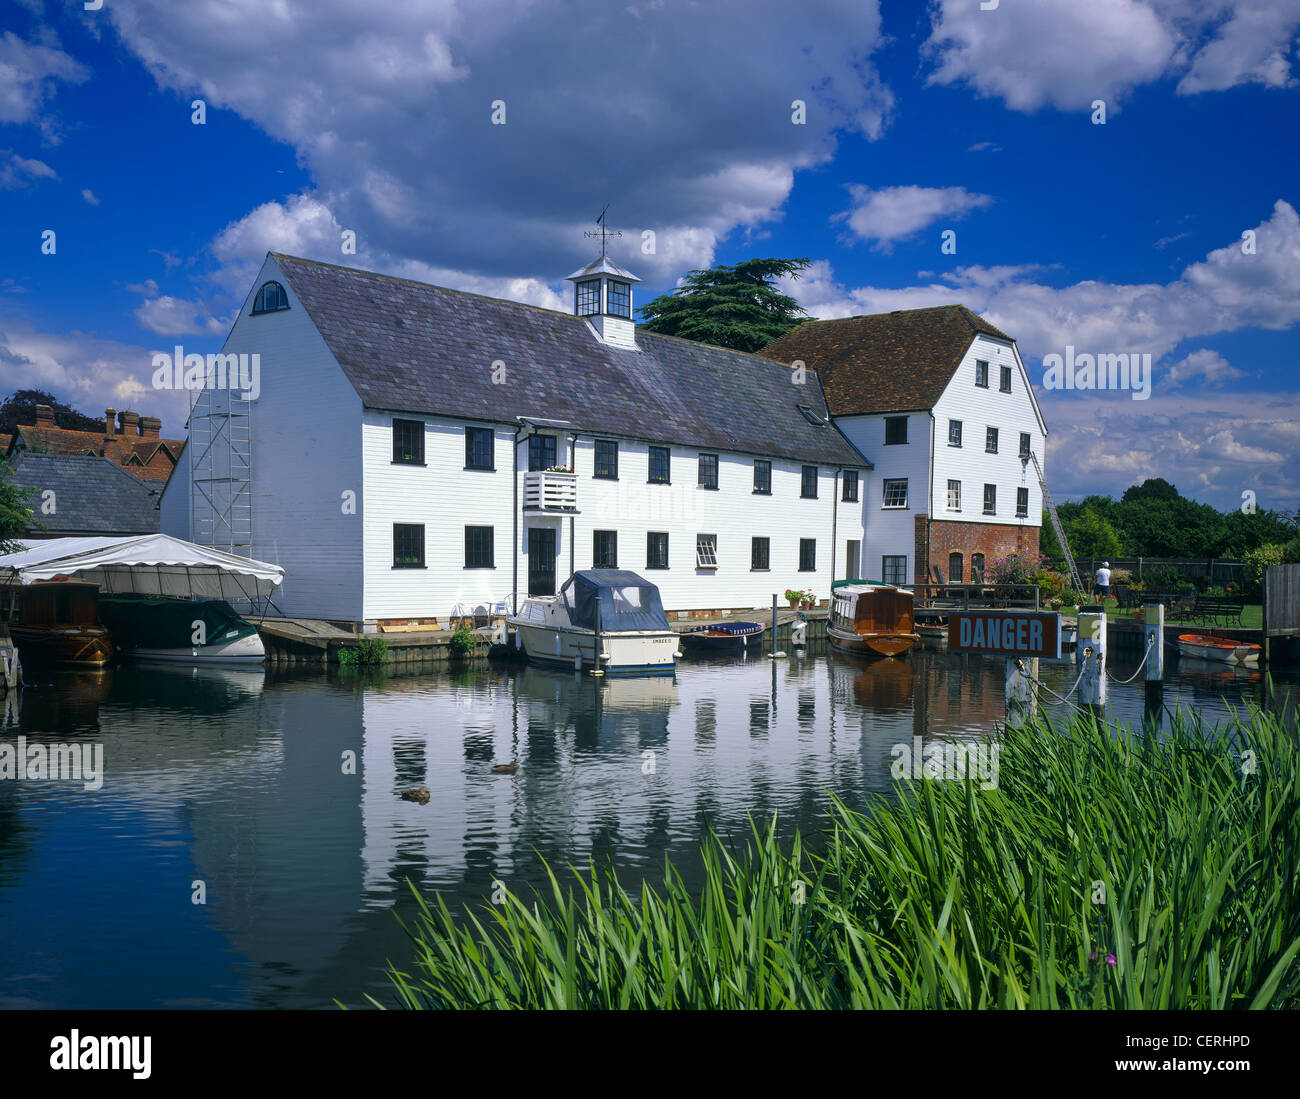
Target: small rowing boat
<point x="1224" y="649"/>
<point x="723" y="637"/>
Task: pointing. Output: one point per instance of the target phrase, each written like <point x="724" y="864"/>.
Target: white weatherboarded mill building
<point x="409" y="452"/>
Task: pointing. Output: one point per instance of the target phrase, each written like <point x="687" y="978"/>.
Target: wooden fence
<point x="1281" y="600"/>
<point x="1216" y="571"/>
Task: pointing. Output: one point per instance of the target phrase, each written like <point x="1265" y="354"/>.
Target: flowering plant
<point x="558" y="469"/>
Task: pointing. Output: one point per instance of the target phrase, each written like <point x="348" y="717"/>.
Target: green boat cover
<point x="154" y="622"/>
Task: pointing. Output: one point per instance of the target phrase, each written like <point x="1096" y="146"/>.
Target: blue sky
<point x="330" y="116"/>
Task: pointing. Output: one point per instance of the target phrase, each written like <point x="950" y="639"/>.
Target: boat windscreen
<point x="626" y="601"/>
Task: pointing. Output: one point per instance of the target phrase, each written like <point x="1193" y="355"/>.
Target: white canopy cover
<point x="146" y="564"/>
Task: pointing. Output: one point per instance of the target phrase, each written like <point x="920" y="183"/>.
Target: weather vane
<point x="603" y="232"/>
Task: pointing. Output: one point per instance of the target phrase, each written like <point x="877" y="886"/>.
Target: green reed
<point x="1106" y="870"/>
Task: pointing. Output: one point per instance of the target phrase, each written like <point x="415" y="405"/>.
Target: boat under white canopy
<point x="145" y="564"/>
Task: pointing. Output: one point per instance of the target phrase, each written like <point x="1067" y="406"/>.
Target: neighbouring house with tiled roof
<point x="128" y="439"/>
<point x="407" y="453"/>
<point x="75" y="495"/>
<point x="938" y="399"/>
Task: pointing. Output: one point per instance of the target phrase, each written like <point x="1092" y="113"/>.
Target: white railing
<point x="550" y="491"/>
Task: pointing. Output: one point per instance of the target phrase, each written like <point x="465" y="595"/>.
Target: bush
<point x="1015" y="568"/>
<point x="369" y="650"/>
<point x="1050" y="584"/>
<point x="1256" y="560"/>
<point x="462" y="642"/>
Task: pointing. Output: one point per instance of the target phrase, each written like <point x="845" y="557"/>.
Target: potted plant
<point x="809" y="600"/>
<point x="794" y="597"/>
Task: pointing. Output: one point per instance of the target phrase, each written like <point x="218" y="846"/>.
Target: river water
<point x="237" y="787"/>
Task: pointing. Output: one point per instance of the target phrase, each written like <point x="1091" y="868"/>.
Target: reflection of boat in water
<point x="635" y="638"/>
<point x="56" y="622"/>
<point x="723" y="637"/>
<point x="1225" y="650"/>
<point x="871" y="619"/>
<point x="879" y="684"/>
<point x="189" y="631"/>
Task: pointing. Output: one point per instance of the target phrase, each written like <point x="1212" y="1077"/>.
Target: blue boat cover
<point x="626" y="601"/>
<point x="736" y="629"/>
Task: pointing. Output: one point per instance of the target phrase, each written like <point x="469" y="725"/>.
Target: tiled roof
<point x="885" y="362"/>
<point x="407" y="346"/>
<point x="120" y="448"/>
<point x="91" y="495"/>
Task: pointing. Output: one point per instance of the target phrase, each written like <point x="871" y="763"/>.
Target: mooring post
<point x="1090" y="659"/>
<point x="597" y="668"/>
<point x="1020" y="699"/>
<point x="1153" y="637"/>
<point x="775" y="652"/>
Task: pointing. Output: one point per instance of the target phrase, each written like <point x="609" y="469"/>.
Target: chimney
<point x="110" y="414"/>
<point x="128" y="422"/>
<point x="150" y="426"/>
<point x="44" y="416"/>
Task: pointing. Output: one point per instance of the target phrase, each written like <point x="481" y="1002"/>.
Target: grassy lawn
<point x="1252" y="617"/>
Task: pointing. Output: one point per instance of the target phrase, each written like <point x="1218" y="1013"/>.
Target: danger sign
<point x="1006" y="633"/>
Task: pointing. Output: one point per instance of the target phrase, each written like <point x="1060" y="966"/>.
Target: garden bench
<point x="1215" y="607"/>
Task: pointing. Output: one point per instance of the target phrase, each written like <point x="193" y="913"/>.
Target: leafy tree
<point x="20" y="408"/>
<point x="15" y="516"/>
<point x="729" y="306"/>
<point x="1153" y="488"/>
<point x="1092" y="536"/>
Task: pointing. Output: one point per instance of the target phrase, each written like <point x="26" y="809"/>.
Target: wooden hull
<point x="873" y="644"/>
<point x="80" y="646"/>
<point x="1222" y="649"/>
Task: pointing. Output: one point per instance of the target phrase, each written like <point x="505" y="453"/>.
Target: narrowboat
<point x="870" y="619"/>
<point x="607" y="619"/>
<point x="723" y="637"/>
<point x="188" y="631"/>
<point x="56" y="621"/>
<point x="1223" y="649"/>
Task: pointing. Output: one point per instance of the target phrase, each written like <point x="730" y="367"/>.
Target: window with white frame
<point x="954" y="496"/>
<point x="706" y="551"/>
<point x="991" y="440"/>
<point x="954" y="433"/>
<point x="990" y="499"/>
<point x="895" y="493"/>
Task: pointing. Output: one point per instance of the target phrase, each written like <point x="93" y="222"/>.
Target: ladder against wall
<point x="1076" y="581"/>
<point x="221" y="472"/>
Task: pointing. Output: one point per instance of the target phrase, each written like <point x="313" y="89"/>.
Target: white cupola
<point x="602" y="293"/>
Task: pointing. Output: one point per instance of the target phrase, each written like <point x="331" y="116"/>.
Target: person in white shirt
<point x="1102" y="582"/>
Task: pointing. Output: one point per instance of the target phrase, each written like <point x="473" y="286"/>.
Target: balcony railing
<point x="551" y="492"/>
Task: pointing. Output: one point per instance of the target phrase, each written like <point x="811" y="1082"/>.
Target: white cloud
<point x="88" y="372"/>
<point x="890" y="214"/>
<point x="28" y="74"/>
<point x="1065" y="54"/>
<point x="1205" y="366"/>
<point x="168" y="316"/>
<point x="17" y="171"/>
<point x="89" y="196"/>
<point x="1103" y="442"/>
<point x="389" y="107"/>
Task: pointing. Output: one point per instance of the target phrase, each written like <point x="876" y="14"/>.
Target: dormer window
<point x="620" y="299"/>
<point x="588" y="298"/>
<point x="270" y="298"/>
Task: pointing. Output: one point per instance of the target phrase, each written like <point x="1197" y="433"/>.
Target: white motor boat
<point x="611" y="611"/>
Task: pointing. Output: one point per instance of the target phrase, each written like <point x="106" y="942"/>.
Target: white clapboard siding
<point x="445" y="497"/>
<point x="891" y="531"/>
<point x="978" y="409"/>
<point x="306" y="455"/>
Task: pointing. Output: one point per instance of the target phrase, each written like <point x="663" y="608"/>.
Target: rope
<point x="1044" y="687"/>
<point x="1151" y="644"/>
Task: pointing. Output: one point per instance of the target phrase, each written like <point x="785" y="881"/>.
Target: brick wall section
<point x="994" y="540"/>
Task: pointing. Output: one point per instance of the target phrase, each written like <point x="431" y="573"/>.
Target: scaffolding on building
<point x="221" y="471"/>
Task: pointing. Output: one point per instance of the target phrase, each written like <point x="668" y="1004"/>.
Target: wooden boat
<point x="871" y="619"/>
<point x="607" y="618"/>
<point x="56" y="621"/>
<point x="723" y="637"/>
<point x="1225" y="649"/>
